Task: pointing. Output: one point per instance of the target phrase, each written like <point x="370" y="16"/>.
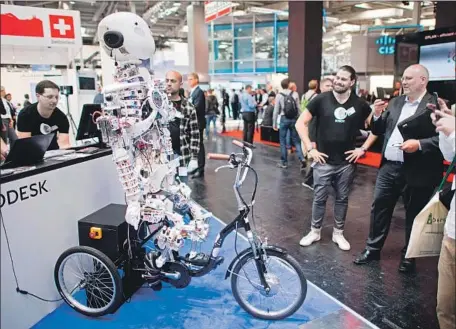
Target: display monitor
<point x="439" y="59"/>
<point x="87" y="83"/>
<point x="87" y="126"/>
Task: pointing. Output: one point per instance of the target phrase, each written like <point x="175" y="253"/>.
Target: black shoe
<point x="303" y="165"/>
<point x="407" y="265"/>
<point x="198" y="174"/>
<point x="367" y="256"/>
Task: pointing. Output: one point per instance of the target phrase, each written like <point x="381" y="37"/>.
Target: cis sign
<point x="385" y="45"/>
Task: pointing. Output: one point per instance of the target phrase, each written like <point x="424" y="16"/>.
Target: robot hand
<point x="192" y="166"/>
<point x="133" y="214"/>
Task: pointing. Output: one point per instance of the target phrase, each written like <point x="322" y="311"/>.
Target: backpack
<point x="290" y="109"/>
<point x="304" y="101"/>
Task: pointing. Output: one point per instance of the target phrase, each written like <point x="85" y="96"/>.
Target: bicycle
<point x="109" y="295"/>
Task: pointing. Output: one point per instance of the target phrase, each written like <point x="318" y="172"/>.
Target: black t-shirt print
<point x="174" y="129"/>
<point x="338" y="124"/>
<point x="30" y="120"/>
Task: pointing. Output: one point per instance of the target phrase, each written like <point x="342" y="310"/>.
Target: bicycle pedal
<point x="219" y="260"/>
<point x="200" y="259"/>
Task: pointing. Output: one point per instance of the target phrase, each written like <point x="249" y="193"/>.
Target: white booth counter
<point x="41" y="209"/>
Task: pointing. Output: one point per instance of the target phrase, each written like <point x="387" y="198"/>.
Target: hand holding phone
<point x="437" y="106"/>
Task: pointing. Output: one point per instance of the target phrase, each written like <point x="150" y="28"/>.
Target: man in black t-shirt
<point x="44" y="117"/>
<point x="340" y="114"/>
<point x="185" y="132"/>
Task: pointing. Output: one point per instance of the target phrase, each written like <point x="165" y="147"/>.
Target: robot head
<point x="125" y="36"/>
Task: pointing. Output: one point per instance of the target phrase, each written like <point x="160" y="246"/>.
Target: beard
<point x="340" y="89"/>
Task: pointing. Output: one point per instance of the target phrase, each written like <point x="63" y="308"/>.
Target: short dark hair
<point x="39" y="89"/>
<point x="285" y="83"/>
<point x="349" y="69"/>
<point x="248" y="87"/>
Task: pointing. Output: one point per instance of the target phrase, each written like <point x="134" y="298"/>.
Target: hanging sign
<point x="32" y="26"/>
<point x="216" y="9"/>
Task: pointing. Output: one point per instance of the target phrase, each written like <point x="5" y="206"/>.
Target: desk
<point x="41" y="209"/>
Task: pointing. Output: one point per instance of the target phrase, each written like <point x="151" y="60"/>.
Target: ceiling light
<point x="262" y="10"/>
<point x="238" y="13"/>
<point x="348" y="27"/>
<point x="331" y="19"/>
<point x="363" y="5"/>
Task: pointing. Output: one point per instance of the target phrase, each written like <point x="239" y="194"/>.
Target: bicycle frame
<point x="241" y="221"/>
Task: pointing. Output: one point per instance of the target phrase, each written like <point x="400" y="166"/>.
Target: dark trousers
<point x="390" y="185"/>
<point x="235" y="108"/>
<point x="249" y="126"/>
<point x="202" y="152"/>
<point x="7" y="134"/>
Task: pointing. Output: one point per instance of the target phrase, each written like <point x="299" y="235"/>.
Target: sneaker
<point x="313" y="236"/>
<point x="282" y="165"/>
<point x="303" y="165"/>
<point x="339" y="239"/>
<point x="308" y="186"/>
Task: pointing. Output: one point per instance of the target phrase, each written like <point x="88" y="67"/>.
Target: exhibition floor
<point x="377" y="292"/>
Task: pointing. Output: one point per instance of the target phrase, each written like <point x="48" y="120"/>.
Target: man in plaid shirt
<point x="185" y="135"/>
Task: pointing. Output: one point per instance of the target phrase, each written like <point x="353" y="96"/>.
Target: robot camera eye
<point x="113" y="39"/>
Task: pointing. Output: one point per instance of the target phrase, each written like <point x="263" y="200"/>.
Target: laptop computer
<point x="27" y="151"/>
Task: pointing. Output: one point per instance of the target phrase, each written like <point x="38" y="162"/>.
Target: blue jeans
<point x="288" y="140"/>
<point x="211" y="118"/>
<point x="288" y="125"/>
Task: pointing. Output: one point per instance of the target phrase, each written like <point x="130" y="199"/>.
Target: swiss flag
<point x="61" y="26"/>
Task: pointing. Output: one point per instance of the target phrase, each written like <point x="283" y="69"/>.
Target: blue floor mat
<point x="207" y="303"/>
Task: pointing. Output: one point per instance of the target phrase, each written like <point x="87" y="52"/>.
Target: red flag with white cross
<point x="61" y="26"/>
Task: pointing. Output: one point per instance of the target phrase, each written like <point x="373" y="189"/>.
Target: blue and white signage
<point x="385" y="45"/>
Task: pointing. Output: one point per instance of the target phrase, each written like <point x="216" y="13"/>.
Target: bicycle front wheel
<point x="288" y="286"/>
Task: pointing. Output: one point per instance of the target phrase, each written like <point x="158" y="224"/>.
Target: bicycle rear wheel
<point x="279" y="302"/>
<point x="88" y="281"/>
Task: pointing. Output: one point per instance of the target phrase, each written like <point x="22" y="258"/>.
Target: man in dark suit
<point x="412" y="167"/>
<point x="199" y="102"/>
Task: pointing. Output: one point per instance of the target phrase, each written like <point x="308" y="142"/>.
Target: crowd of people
<point x="323" y="126"/>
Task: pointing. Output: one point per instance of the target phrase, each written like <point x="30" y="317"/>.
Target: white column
<point x="198" y="49"/>
<point x="416" y="14"/>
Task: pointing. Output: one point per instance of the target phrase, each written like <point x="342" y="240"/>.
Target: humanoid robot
<point x="134" y="123"/>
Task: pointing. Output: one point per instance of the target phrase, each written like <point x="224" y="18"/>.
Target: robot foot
<point x="156" y="286"/>
<point x="201" y="259"/>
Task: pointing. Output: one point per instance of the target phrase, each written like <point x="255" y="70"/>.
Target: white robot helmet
<point x="125" y="36"/>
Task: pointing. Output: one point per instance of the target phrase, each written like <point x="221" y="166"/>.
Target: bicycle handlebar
<point x="239" y="162"/>
<point x="218" y="156"/>
<point x="238" y="143"/>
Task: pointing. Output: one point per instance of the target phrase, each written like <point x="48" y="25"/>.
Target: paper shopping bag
<point x="427" y="231"/>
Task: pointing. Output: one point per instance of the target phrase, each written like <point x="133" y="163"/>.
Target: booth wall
<point x="40" y="228"/>
<point x="20" y="83"/>
<point x="365" y="56"/>
<point x="28" y="55"/>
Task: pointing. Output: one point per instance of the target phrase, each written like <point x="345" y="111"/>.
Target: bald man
<point x="411" y="167"/>
<point x="185" y="133"/>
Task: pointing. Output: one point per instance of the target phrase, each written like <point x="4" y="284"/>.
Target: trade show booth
<point x="44" y="39"/>
<point x="41" y="204"/>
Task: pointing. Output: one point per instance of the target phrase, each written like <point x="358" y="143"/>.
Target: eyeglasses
<point x="50" y="97"/>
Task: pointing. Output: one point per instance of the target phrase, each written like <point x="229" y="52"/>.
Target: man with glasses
<point x="44" y="117"/>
